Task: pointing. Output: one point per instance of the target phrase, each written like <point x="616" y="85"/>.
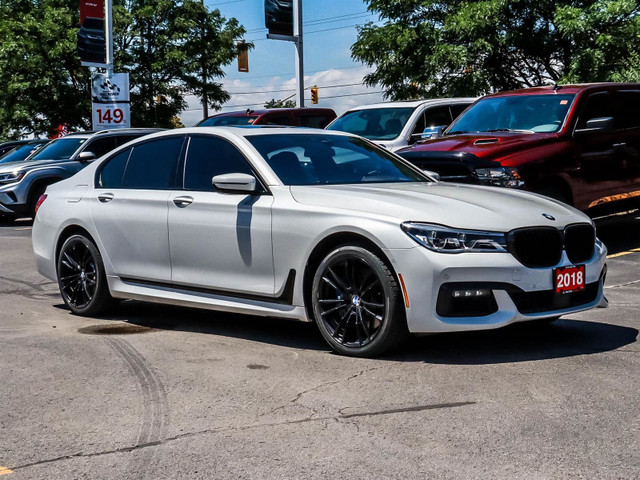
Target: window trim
<point x="182" y="168"/>
<point x="117" y="151"/>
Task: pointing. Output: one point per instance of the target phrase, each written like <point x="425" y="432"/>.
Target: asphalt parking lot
<point x="161" y="392"/>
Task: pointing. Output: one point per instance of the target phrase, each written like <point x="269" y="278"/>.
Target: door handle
<point x="183" y="201"/>
<point x="105" y="197"/>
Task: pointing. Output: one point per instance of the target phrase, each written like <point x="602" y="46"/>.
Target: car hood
<point x="455" y="205"/>
<point x="24" y="165"/>
<point x="487" y="145"/>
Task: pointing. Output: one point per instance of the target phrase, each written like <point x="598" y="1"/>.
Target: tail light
<point x="40" y="201"/>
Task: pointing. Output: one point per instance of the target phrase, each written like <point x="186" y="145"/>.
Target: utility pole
<point x="297" y="33"/>
<point x="205" y="98"/>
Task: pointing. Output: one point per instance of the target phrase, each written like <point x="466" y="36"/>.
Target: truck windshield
<point x="374" y="123"/>
<point x="528" y="113"/>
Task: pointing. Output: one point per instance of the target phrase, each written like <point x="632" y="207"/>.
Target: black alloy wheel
<point x="357" y="303"/>
<point x="81" y="276"/>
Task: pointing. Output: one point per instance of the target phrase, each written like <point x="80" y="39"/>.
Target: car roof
<point x="118" y="131"/>
<point x="414" y="103"/>
<point x="251" y="130"/>
<point x="257" y="113"/>
<point x="570" y="88"/>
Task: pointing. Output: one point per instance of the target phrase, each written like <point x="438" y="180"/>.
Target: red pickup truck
<point x="576" y="143"/>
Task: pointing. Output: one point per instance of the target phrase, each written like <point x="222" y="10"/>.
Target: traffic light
<point x="278" y="16"/>
<point x="314" y="95"/>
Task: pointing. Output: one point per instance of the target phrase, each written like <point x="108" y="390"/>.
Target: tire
<point x="33" y="200"/>
<point x="357" y="303"/>
<point x="81" y="277"/>
<point x="4" y="219"/>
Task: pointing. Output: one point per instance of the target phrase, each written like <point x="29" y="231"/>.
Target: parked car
<point x="296" y="117"/>
<point x="315" y="226"/>
<point x="22" y="183"/>
<point x="577" y="143"/>
<point x="6" y="147"/>
<point x="395" y="125"/>
<point x="22" y="151"/>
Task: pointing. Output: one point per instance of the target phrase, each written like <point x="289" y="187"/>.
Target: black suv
<point x="22" y="183"/>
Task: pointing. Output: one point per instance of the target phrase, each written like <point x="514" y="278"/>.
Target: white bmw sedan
<point x="315" y="226"/>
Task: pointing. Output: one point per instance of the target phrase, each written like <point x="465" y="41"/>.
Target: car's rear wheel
<point x="357" y="303"/>
<point x="81" y="277"/>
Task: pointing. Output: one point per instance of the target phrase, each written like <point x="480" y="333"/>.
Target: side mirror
<point x="235" y="183"/>
<point x="430" y="133"/>
<point x="86" y="156"/>
<point x="595" y="125"/>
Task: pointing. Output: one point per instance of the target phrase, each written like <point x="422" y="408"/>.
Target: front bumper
<point x="520" y="293"/>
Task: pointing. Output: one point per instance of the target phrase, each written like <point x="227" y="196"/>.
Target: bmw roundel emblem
<point x="548" y="216"/>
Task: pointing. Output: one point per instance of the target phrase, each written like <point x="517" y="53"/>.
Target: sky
<point x="329" y="30"/>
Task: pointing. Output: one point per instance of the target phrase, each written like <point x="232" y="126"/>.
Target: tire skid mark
<point x="155" y="404"/>
<point x="155" y="408"/>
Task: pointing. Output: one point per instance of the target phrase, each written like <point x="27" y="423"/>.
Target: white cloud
<point x="254" y="93"/>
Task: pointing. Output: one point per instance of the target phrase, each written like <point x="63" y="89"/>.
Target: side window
<point x="627" y="108"/>
<point x="276" y="119"/>
<point x="208" y="157"/>
<point x="420" y="125"/>
<point x="152" y="165"/>
<point x="100" y="146"/>
<point x="437" y="116"/>
<point x="112" y="171"/>
<point x="313" y="121"/>
<point x="598" y="105"/>
<point x="122" y="139"/>
<point x="457" y="109"/>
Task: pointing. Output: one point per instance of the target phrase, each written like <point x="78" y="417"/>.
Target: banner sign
<point x="92" y="44"/>
<point x="110" y="101"/>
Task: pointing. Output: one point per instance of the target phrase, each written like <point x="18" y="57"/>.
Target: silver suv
<point x="22" y="183"/>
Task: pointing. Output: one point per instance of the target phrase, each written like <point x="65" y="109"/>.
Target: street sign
<point x="110" y="101"/>
<point x="111" y="115"/>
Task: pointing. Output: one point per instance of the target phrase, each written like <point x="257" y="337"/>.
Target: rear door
<point x="219" y="241"/>
<point x="130" y="208"/>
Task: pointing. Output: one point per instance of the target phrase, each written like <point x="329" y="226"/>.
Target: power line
<point x="293" y="89"/>
<point x="290" y="73"/>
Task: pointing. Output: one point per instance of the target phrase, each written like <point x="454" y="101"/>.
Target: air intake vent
<point x="536" y="247"/>
<point x="485" y="141"/>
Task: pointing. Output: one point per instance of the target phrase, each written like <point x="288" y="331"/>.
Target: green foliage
<point x="167" y="46"/>
<point x="430" y="48"/>
<point x="273" y="103"/>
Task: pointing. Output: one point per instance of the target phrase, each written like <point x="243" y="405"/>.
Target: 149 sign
<point x="107" y="116"/>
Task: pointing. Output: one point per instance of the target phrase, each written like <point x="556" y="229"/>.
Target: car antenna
<point x="249" y="111"/>
<point x="556" y="87"/>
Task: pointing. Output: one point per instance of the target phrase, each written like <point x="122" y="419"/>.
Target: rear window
<point x="374" y="123"/>
<point x="228" y="120"/>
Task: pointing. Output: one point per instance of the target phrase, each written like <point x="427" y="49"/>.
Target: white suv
<point x="394" y="125"/>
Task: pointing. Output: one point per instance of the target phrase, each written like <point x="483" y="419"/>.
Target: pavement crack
<point x="210" y="431"/>
<point x="622" y="284"/>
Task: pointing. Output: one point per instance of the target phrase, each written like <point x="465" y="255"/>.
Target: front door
<point x="219" y="241"/>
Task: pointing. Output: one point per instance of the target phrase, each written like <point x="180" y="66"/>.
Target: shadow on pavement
<point x="620" y="233"/>
<point x="516" y="343"/>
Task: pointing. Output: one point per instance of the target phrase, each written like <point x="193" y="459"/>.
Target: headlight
<point x="451" y="240"/>
<point x="11" y="177"/>
<point x="499" y="176"/>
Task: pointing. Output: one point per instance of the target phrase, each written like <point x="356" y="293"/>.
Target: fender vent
<point x="485" y="141"/>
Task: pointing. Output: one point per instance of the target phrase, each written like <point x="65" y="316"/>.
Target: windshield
<point x="374" y="123"/>
<point x="21" y="153"/>
<point x="308" y="159"/>
<point x="59" y="149"/>
<point x="530" y="113"/>
<point x="228" y="120"/>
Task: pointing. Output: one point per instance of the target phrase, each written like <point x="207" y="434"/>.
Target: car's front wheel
<point x="357" y="303"/>
<point x="81" y="277"/>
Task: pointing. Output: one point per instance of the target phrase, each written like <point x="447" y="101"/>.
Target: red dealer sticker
<point x="569" y="279"/>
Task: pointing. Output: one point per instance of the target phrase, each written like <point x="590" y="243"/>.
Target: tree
<point x="42" y="84"/>
<point x="428" y="48"/>
<point x="170" y="48"/>
<point x="273" y="103"/>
